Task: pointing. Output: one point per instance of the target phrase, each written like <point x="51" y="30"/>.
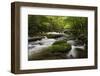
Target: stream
<point x="73" y="53"/>
<point x="37" y="46"/>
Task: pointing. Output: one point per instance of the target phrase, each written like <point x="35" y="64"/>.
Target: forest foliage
<point x="39" y="24"/>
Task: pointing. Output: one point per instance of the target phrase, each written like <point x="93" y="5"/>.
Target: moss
<point x="63" y="48"/>
<point x="60" y="42"/>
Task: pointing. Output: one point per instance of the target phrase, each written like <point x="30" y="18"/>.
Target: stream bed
<point x="37" y="46"/>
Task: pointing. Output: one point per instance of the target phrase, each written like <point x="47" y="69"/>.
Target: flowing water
<point x="73" y="53"/>
<point x="37" y="46"/>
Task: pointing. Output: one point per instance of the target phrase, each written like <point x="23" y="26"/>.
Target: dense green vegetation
<point x="78" y="27"/>
<point x="39" y="24"/>
<point x="56" y="23"/>
<point x="42" y="24"/>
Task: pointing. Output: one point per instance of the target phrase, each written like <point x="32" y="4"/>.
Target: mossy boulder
<point x="60" y="46"/>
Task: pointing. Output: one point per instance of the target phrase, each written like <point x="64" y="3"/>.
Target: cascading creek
<point x="74" y="53"/>
<point x="36" y="46"/>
